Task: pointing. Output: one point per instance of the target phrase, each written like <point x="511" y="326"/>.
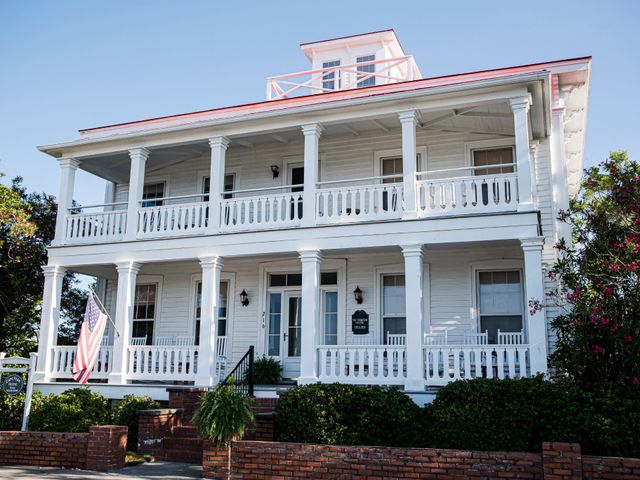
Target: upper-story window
<point x="229" y="182"/>
<point x="391" y="166"/>
<point x="152" y="191"/>
<point x="493" y="156"/>
<point x="331" y="81"/>
<point x="363" y="79"/>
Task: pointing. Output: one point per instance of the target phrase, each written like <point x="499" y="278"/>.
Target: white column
<point x="127" y="273"/>
<point x="311" y="260"/>
<point x="207" y="354"/>
<point x="49" y="319"/>
<point x="109" y="195"/>
<point x="413" y="273"/>
<point x="312" y="134"/>
<point x="409" y="120"/>
<point x="559" y="177"/>
<point x="68" y="167"/>
<point x="219" y="147"/>
<point x="534" y="290"/>
<point x="136" y="186"/>
<point x="520" y="109"/>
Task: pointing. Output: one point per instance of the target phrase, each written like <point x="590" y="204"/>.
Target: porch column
<point x="312" y="134"/>
<point x="219" y="147"/>
<point x="409" y="120"/>
<point x="207" y="354"/>
<point x="127" y="273"/>
<point x="534" y="290"/>
<point x="49" y="319"/>
<point x="311" y="260"/>
<point x="136" y="186"/>
<point x="68" y="167"/>
<point x="413" y="274"/>
<point x="520" y="109"/>
<point x="559" y="179"/>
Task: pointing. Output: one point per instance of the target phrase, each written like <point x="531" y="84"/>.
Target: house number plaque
<point x="360" y="322"/>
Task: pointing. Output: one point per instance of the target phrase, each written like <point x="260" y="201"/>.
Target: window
<point x="229" y="181"/>
<point x="393" y="306"/>
<point x="392" y="166"/>
<point x="144" y="312"/>
<point x="275" y="317"/>
<point x="223" y="300"/>
<point x="500" y="302"/>
<point x="363" y="79"/>
<point x="150" y="192"/>
<point x="329" y="79"/>
<point x="330" y="308"/>
<point x="493" y="156"/>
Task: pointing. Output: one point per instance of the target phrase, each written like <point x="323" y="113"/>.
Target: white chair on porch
<point x="474" y="338"/>
<point x="396" y="339"/>
<point x="138" y="341"/>
<point x="436" y="337"/>
<point x="510" y="338"/>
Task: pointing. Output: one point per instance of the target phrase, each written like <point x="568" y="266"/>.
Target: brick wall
<point x="154" y="425"/>
<point x="103" y="448"/>
<point x="282" y="461"/>
<point x="187" y="399"/>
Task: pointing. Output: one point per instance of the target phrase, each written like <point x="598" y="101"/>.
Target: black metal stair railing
<point x="241" y="377"/>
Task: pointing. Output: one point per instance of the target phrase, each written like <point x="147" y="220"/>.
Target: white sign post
<point x="21" y="365"/>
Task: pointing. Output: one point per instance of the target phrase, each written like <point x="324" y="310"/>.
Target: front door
<point x="284" y="324"/>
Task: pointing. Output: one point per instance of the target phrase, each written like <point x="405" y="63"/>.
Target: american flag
<point x="89" y="341"/>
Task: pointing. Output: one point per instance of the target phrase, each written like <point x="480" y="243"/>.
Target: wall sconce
<point x="357" y="294"/>
<point x="275" y="169"/>
<point x="244" y="298"/>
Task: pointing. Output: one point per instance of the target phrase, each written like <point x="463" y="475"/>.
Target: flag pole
<point x="104" y="310"/>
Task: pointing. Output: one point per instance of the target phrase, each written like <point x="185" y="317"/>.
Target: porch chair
<point x="396" y="339"/>
<point x="436" y="338"/>
<point x="164" y="341"/>
<point x="138" y="341"/>
<point x="510" y="338"/>
<point x="474" y="338"/>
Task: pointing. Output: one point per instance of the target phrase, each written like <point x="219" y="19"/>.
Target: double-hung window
<point x="223" y="310"/>
<point x="365" y="79"/>
<point x="328" y="282"/>
<point x="497" y="160"/>
<point x="394" y="317"/>
<point x="500" y="302"/>
<point x="229" y="181"/>
<point x="331" y="79"/>
<point x="144" y="312"/>
<point x="152" y="194"/>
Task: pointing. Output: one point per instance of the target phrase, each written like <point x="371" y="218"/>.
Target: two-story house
<point x="361" y="225"/>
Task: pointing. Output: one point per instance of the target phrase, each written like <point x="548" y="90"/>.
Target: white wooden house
<point x="363" y="224"/>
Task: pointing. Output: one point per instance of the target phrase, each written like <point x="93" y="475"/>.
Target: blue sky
<point x="68" y="65"/>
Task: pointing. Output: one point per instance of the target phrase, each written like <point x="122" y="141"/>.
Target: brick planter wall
<point x="154" y="425"/>
<point x="282" y="461"/>
<point x="103" y="448"/>
<point x="186" y="399"/>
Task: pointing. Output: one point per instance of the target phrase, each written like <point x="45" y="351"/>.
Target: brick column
<point x="561" y="461"/>
<point x="106" y="447"/>
<point x="215" y="462"/>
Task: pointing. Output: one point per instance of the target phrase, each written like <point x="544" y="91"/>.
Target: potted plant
<point x="267" y="371"/>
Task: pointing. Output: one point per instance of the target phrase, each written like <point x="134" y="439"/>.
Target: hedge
<point x="481" y="414"/>
<point x="74" y="410"/>
<point x="346" y="415"/>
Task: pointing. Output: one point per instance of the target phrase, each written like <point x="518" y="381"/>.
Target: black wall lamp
<point x="275" y="169"/>
<point x="244" y="298"/>
<point x="357" y="294"/>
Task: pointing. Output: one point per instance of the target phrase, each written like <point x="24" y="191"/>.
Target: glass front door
<point x="284" y="330"/>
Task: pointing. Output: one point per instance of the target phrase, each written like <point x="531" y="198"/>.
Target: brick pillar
<point x="215" y="462"/>
<point x="154" y="425"/>
<point x="106" y="447"/>
<point x="186" y="399"/>
<point x="561" y="461"/>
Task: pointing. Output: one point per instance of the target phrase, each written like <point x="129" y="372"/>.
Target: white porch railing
<point x="62" y="365"/>
<point x="342" y="77"/>
<point x="95" y="226"/>
<point x="152" y="362"/>
<point x="266" y="211"/>
<point x="359" y="203"/>
<point x="470" y="194"/>
<point x="366" y="364"/>
<point x="169" y="220"/>
<point x="446" y="363"/>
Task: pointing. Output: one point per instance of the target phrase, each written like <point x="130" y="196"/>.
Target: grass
<point x="133" y="458"/>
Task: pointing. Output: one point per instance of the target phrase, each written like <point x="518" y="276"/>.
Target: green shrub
<point x="518" y="415"/>
<point x="72" y="411"/>
<point x="125" y="412"/>
<point x="267" y="371"/>
<point x="12" y="408"/>
<point x="223" y="415"/>
<point x="346" y="415"/>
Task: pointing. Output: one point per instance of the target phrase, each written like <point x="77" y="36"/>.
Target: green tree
<point x="27" y="227"/>
<point x="598" y="336"/>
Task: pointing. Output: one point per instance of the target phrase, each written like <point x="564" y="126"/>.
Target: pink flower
<point x="633" y="266"/>
<point x="636" y="381"/>
<point x="614" y="266"/>
<point x="597" y="349"/>
<point x="628" y="338"/>
<point x="604" y="321"/>
<point x="608" y="291"/>
<point x="615" y="328"/>
<point x="597" y="310"/>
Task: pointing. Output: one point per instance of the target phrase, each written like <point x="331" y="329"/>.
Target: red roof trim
<point x="330" y="97"/>
<point x="350" y="36"/>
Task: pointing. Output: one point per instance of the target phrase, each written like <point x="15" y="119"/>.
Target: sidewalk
<point x="145" y="471"/>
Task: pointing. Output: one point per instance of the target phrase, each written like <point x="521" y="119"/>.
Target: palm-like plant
<point x="223" y="415"/>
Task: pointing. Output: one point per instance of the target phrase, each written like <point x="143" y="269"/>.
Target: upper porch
<point x="475" y="157"/>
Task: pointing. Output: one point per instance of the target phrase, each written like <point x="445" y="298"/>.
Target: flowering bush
<point x="598" y="277"/>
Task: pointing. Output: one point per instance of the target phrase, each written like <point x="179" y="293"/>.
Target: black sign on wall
<point x="13" y="384"/>
<point x="360" y="322"/>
